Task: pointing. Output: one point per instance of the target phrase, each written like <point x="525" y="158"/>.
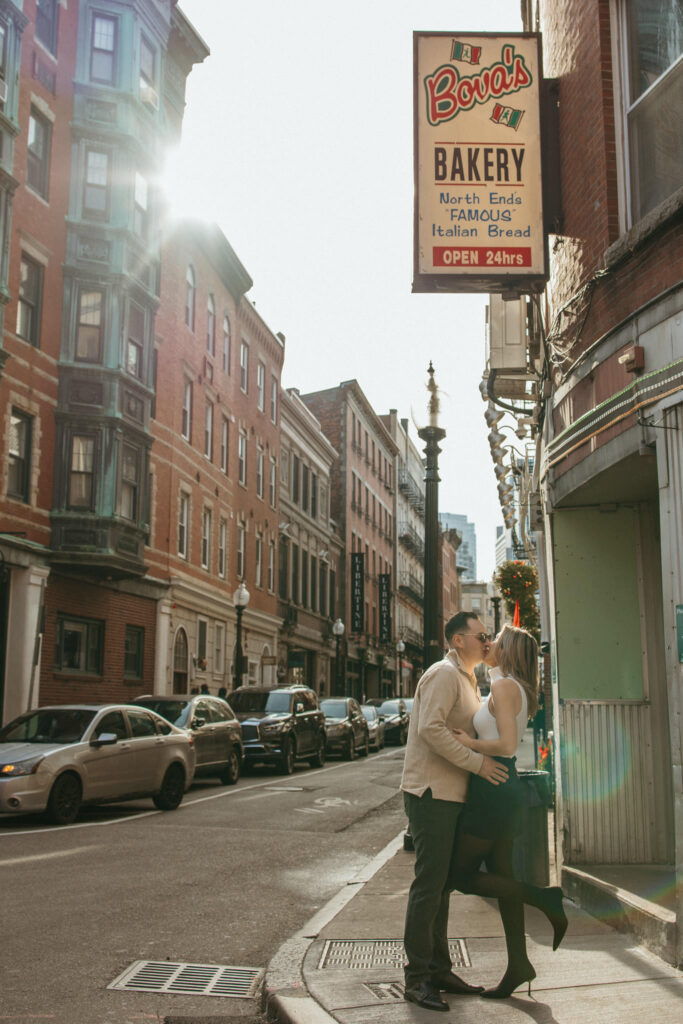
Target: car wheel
<point x="318" y="760"/>
<point x="365" y="749"/>
<point x="65" y="800"/>
<point x="287" y="757"/>
<point x="231" y="774"/>
<point x="350" y="748"/>
<point x="172" y="789"/>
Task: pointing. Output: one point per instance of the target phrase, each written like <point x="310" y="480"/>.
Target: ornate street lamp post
<point x="432" y="435"/>
<point x="241" y="600"/>
<point x="338" y="629"/>
<point x="400" y="648"/>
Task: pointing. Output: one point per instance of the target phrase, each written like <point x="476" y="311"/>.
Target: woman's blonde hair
<point x="517" y="653"/>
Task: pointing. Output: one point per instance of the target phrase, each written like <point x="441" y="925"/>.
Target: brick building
<point x="608" y="507"/>
<point x="362" y="486"/>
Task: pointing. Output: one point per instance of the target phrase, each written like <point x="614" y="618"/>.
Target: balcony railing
<point x="411" y="585"/>
<point x="409" y="486"/>
<point x="411" y="539"/>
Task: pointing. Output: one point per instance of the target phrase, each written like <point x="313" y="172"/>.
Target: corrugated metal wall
<point x="609" y="780"/>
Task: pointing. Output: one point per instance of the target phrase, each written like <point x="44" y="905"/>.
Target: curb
<point x="284" y="993"/>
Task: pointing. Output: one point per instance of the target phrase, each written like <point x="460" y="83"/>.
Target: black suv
<point x="280" y="726"/>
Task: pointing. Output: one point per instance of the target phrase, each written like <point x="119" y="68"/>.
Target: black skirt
<point x="494" y="812"/>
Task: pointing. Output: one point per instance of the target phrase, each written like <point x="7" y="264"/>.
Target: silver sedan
<point x="56" y="759"/>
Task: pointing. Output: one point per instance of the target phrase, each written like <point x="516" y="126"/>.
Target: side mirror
<point x="298" y="708"/>
<point x="198" y="722"/>
<point x="105" y="739"/>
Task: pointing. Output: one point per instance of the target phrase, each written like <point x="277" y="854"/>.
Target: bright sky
<point x="298" y="142"/>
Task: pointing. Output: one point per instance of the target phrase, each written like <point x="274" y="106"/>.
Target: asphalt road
<point x="225" y="879"/>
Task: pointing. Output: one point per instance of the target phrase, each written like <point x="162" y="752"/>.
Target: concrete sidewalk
<point x="346" y="964"/>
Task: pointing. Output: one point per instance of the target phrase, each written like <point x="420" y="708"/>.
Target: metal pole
<point x="238" y="648"/>
<point x="337" y="668"/>
<point x="495" y="601"/>
<point x="432" y="435"/>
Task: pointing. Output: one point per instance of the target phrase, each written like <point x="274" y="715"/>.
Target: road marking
<point x="46" y="856"/>
<point x="308" y="810"/>
<point x="331" y="801"/>
<point x="136" y="816"/>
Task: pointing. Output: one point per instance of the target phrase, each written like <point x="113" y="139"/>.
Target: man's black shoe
<point x="427" y="996"/>
<point x="452" y="983"/>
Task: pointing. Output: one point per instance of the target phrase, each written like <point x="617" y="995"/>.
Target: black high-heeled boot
<point x="512" y="979"/>
<point x="550" y="902"/>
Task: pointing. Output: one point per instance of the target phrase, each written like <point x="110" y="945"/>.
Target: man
<point x="434" y="784"/>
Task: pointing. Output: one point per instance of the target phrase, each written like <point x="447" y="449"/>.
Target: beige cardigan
<point x="446" y="698"/>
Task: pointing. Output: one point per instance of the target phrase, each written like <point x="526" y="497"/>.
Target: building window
<point x="258" y="576"/>
<point x="653" y="98"/>
<point x="46" y="24"/>
<point x="148" y="77"/>
<point x="259" y="473"/>
<point x="206" y="538"/>
<point x="296" y="594"/>
<point x="136" y="341"/>
<point x="219" y="648"/>
<point x="244" y="367"/>
<point x="314" y="583"/>
<point x="79" y="645"/>
<point x="271" y="566"/>
<point x="208" y="431"/>
<point x="96" y="185"/>
<point x="186" y="426"/>
<point x="295" y="479"/>
<point x="242" y="459"/>
<point x="314" y="495"/>
<point x="304" y="487"/>
<point x="226" y="345"/>
<point x="304" y="579"/>
<point x="211" y="326"/>
<point x="19" y="469"/>
<point x="89" y="327"/>
<point x="38" y="155"/>
<point x="241" y="550"/>
<point x="190" y="291"/>
<point x="322" y="589"/>
<point x="261" y="386"/>
<point x="30" y="295"/>
<point x="183" y="523"/>
<point x="222" y="547"/>
<point x="82" y="472"/>
<point x="225" y="437"/>
<point x="283" y="570"/>
<point x="273" y="399"/>
<point x="135" y="643"/>
<point x="202" y="645"/>
<point x="103" y="50"/>
<point x="129" y="483"/>
<point x="141" y="206"/>
<point x="273" y="482"/>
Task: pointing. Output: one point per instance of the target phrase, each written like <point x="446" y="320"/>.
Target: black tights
<point x="497" y="882"/>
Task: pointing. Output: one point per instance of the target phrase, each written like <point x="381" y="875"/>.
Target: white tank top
<point x="485" y="724"/>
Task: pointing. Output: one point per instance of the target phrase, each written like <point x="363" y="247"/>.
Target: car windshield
<point x="370" y="713"/>
<point x="390" y="707"/>
<point x="334" y="708"/>
<point x="260" y="700"/>
<point x="175" y="711"/>
<point x="48" y="725"/>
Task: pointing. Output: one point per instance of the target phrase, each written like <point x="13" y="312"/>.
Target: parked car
<point x="375" y="725"/>
<point x="212" y="724"/>
<point x="280" y="726"/>
<point x="408" y="701"/>
<point x="56" y="759"/>
<point x="396" y="718"/>
<point x="346" y="728"/>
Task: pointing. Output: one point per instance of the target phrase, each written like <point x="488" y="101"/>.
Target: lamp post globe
<point x="338" y="629"/>
<point x="240" y="600"/>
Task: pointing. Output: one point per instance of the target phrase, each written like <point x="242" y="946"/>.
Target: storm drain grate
<point x="189" y="979"/>
<point x="387" y="991"/>
<point x="369" y="953"/>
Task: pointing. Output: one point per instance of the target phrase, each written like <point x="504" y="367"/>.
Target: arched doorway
<point x="180" y="662"/>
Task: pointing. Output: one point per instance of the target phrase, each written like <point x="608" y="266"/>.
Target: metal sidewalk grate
<point x="369" y="953"/>
<point x="189" y="979"/>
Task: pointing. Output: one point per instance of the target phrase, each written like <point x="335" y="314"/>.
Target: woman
<point x="492" y="816"/>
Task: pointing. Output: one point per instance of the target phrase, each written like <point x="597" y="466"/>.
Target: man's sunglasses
<point x="483" y="638"/>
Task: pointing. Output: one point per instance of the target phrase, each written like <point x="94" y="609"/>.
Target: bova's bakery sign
<point x="478" y="183"/>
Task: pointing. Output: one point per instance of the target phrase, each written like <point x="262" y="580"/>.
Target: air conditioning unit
<point x="506" y="333"/>
<point x="150" y="96"/>
<point x="3" y="90"/>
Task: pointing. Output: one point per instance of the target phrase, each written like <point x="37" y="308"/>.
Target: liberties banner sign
<point x="478" y="195"/>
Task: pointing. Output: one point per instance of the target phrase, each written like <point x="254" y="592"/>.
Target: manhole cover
<point x="369" y="953"/>
<point x="189" y="979"/>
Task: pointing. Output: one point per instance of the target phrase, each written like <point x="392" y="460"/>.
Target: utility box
<point x="506" y="334"/>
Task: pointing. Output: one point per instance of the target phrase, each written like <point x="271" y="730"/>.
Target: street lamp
<point x="338" y="629"/>
<point x="241" y="600"/>
<point x="400" y="648"/>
